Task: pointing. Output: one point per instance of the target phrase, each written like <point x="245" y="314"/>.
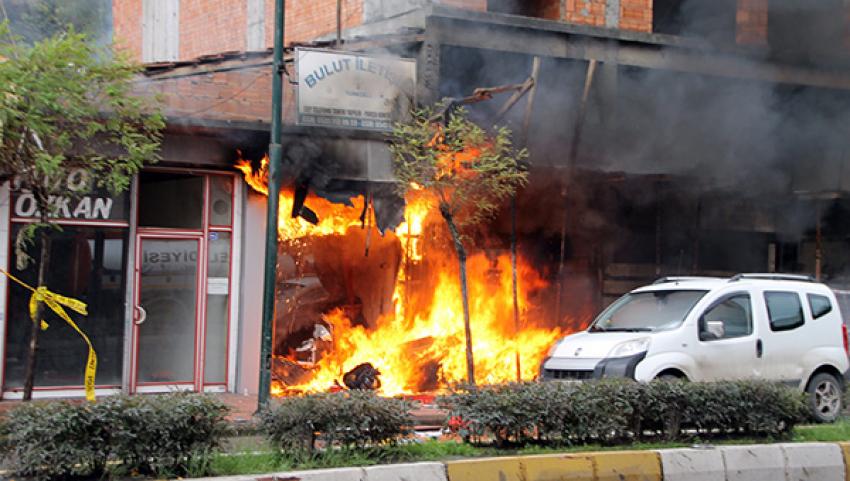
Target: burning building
<point x="666" y="137"/>
<point x="349" y="295"/>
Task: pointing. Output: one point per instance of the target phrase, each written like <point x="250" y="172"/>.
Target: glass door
<point x="166" y="311"/>
<point x="183" y="300"/>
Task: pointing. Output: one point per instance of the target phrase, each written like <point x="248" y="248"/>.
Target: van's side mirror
<point x="713" y="330"/>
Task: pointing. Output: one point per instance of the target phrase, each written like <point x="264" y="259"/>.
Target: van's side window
<point x="820" y="305"/>
<point x="734" y="314"/>
<point x="785" y="310"/>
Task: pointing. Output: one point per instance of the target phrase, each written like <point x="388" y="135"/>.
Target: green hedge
<point x="611" y="412"/>
<point x="353" y="419"/>
<point x="167" y="435"/>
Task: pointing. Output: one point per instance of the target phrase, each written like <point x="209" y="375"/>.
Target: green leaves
<point x="158" y="435"/>
<point x="68" y="101"/>
<point x="66" y="104"/>
<point x="620" y="411"/>
<point x="469" y="170"/>
<point x="353" y="419"/>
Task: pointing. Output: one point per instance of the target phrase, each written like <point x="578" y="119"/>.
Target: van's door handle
<point x="759" y="348"/>
<point x="143" y="315"/>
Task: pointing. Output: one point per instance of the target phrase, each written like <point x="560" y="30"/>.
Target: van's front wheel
<point x="824" y="392"/>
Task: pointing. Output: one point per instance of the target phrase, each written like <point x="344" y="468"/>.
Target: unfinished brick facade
<point x="127" y="25"/>
<point x="636" y="15"/>
<point x="210" y="26"/>
<point x="308" y="19"/>
<point x="586" y="12"/>
<point x="751" y="20"/>
<point x="633" y="15"/>
<point x="236" y="95"/>
<point x="213" y="26"/>
<point x="480" y="5"/>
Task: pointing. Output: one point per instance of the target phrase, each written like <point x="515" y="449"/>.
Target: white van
<point x="752" y="326"/>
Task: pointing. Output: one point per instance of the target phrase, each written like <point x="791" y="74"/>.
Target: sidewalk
<point x="774" y="462"/>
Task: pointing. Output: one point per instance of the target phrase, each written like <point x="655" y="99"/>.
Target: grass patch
<point x="837" y="431"/>
<point x="231" y="464"/>
<point x="237" y="463"/>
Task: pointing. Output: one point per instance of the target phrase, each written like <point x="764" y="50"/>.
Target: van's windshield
<point x="647" y="311"/>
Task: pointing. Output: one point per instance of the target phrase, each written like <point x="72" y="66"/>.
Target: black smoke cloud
<point x="748" y="136"/>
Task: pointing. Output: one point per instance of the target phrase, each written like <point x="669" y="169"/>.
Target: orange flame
<point x="420" y="345"/>
<point x="452" y="163"/>
<point x="335" y="218"/>
<point x="404" y="352"/>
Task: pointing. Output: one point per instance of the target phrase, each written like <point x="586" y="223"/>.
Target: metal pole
<point x="338" y="23"/>
<point x="275" y="156"/>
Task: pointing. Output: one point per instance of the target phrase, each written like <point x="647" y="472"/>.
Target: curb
<point x="789" y="462"/>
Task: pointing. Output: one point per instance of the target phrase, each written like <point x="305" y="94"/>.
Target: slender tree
<point x="67" y="105"/>
<point x="470" y="172"/>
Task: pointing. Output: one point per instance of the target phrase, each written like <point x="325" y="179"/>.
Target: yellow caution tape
<point x="55" y="302"/>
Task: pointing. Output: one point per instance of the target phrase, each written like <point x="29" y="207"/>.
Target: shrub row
<point x="167" y="435"/>
<point x="612" y="412"/>
<point x="353" y="419"/>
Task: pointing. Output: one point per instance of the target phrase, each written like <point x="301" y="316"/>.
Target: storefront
<point x="155" y="265"/>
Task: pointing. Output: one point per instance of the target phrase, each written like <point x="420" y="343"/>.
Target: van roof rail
<point x="773" y="277"/>
<point x="665" y="279"/>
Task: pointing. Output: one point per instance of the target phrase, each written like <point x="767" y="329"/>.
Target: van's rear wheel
<point x="824" y="397"/>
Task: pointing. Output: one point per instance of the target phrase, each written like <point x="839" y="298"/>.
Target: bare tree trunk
<point x="43" y="264"/>
<point x="461" y="257"/>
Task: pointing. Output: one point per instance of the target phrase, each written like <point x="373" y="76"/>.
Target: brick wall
<point x="480" y="5"/>
<point x="751" y="19"/>
<point x="211" y="26"/>
<point x="308" y="19"/>
<point x="236" y="95"/>
<point x="636" y="15"/>
<point x="586" y="12"/>
<point x="626" y="14"/>
<point x="550" y="9"/>
<point x="127" y="26"/>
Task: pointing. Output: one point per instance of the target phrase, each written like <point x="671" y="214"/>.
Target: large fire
<point x="418" y="345"/>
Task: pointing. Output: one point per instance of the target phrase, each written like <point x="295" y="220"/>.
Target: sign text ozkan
<point x="81" y="202"/>
<point x="348" y="90"/>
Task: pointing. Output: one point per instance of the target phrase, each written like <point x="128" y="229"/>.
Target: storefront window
<point x="170" y="200"/>
<point x="218" y="302"/>
<point x="221" y="200"/>
<point x="86" y="263"/>
<point x="177" y="286"/>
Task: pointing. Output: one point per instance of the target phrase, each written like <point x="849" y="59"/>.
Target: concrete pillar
<point x="255" y="31"/>
<point x="160" y="30"/>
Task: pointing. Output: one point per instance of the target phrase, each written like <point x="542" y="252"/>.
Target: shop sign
<point x="352" y="90"/>
<point x="161" y="257"/>
<point x="218" y="286"/>
<point x="82" y="202"/>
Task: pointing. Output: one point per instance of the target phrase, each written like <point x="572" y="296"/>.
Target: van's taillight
<point x="846" y="343"/>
